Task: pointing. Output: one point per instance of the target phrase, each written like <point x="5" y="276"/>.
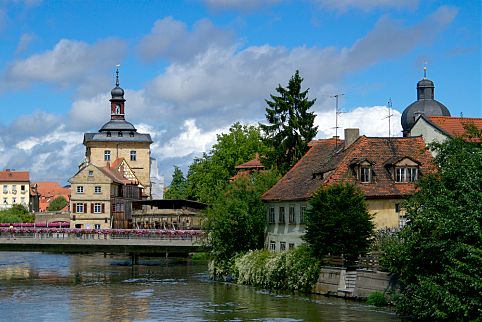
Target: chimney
<point x="350" y="136"/>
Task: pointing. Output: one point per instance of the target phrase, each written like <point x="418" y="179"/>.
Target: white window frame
<point x="302" y="214"/>
<point x="97" y="189"/>
<point x="291" y="214"/>
<point x="79" y="208"/>
<point x="96" y="226"/>
<point x="97" y="208"/>
<point x="272" y="245"/>
<point x="133" y="155"/>
<point x="406" y="174"/>
<point x="80" y="189"/>
<point x="281" y="215"/>
<point x="282" y="246"/>
<point x="271" y="215"/>
<point x="365" y="174"/>
<point x="106" y="155"/>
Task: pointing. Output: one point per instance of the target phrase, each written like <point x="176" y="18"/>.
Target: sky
<point x="190" y="69"/>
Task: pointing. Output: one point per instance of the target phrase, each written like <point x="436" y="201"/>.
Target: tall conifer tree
<point x="290" y="127"/>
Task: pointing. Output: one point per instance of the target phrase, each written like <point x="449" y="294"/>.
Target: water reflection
<point x="53" y="287"/>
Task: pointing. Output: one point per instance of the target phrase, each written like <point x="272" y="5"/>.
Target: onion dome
<point x="424" y="105"/>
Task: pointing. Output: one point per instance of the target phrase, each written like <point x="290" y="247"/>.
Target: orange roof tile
<point x="11" y="175"/>
<point x="454" y="126"/>
<point x="252" y="164"/>
<point x="321" y="165"/>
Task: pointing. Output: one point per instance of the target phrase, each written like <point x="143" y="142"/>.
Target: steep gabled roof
<point x="321" y="165"/>
<point x="14" y="176"/>
<point x="298" y="183"/>
<point x="453" y="126"/>
<point x="254" y="164"/>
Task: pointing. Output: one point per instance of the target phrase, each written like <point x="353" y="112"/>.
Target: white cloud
<point x="192" y="140"/>
<point x="372" y="121"/>
<point x="69" y="62"/>
<point x="25" y="40"/>
<point x="242" y="5"/>
<point x="170" y="38"/>
<point x="367" y="5"/>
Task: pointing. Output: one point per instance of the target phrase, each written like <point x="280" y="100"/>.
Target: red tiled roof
<point x="10" y="175"/>
<point x="114" y="175"/>
<point x="454" y="126"/>
<point x="252" y="164"/>
<point x="321" y="166"/>
<point x="48" y="191"/>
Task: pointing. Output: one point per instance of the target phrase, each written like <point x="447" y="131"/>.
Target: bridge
<point x="134" y="242"/>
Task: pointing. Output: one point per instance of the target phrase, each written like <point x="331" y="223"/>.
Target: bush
<point x="295" y="270"/>
<point x="16" y="214"/>
<point x="377" y="299"/>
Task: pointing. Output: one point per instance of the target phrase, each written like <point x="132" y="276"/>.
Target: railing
<point x="370" y="261"/>
<point x="69" y="233"/>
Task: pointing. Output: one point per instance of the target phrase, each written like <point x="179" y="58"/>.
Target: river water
<point x="58" y="287"/>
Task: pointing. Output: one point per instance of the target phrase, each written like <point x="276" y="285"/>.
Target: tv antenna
<point x="337" y="112"/>
<point x="389" y="116"/>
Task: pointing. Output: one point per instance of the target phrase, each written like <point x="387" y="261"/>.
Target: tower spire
<point x="117" y="75"/>
<point x="425" y="71"/>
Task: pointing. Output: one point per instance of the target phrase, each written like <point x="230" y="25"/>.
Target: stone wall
<point x="357" y="283"/>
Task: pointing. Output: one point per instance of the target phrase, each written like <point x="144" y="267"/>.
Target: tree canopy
<point x="178" y="187"/>
<point x="439" y="256"/>
<point x="209" y="175"/>
<point x="236" y="220"/>
<point x="337" y="222"/>
<point x="290" y="124"/>
<point x="16" y="214"/>
<point x="58" y="203"/>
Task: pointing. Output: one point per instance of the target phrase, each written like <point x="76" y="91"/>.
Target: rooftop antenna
<point x="389" y="116"/>
<point x="337" y="112"/>
<point x="117" y="75"/>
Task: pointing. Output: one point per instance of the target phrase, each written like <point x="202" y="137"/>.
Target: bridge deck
<point x="89" y="241"/>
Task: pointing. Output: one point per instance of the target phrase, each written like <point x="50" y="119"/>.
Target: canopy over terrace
<point x="167" y="214"/>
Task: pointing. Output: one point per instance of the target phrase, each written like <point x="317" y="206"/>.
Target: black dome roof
<point x="117" y="93"/>
<point x="424" y="105"/>
<point x="117" y="125"/>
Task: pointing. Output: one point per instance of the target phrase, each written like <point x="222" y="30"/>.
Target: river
<point x="59" y="287"/>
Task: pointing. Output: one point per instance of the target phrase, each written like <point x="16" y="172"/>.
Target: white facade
<point x="157" y="182"/>
<point x="285" y="224"/>
<point x="430" y="133"/>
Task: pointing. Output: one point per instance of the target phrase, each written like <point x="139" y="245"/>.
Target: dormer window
<point x="120" y="133"/>
<point x="362" y="170"/>
<point x="108" y="134"/>
<point x="365" y="174"/>
<point x="406" y="174"/>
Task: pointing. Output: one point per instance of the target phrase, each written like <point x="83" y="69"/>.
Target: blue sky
<point x="192" y="68"/>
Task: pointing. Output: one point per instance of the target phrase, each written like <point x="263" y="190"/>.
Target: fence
<point x="371" y="261"/>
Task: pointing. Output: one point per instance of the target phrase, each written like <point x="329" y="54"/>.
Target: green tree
<point x="290" y="124"/>
<point x="237" y="219"/>
<point x="58" y="203"/>
<point x="337" y="222"/>
<point x="178" y="187"/>
<point x="16" y="214"/>
<point x="439" y="254"/>
<point x="209" y="175"/>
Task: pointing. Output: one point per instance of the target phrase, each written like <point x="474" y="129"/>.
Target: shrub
<point x="377" y="299"/>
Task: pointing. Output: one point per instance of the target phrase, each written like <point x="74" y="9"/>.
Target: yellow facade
<point x="388" y="213"/>
<point x="96" y="155"/>
<point x="90" y="199"/>
<point x="14" y="192"/>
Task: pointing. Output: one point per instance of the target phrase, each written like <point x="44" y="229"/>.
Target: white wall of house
<point x="430" y="134"/>
<point x="284" y="234"/>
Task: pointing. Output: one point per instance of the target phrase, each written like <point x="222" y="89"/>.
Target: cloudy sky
<point x="192" y="68"/>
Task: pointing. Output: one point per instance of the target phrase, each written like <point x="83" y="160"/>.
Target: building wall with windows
<point x="136" y="154"/>
<point x="90" y="201"/>
<point x="14" y="188"/>
<point x="384" y="169"/>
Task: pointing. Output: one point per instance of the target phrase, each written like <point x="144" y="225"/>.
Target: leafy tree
<point x="236" y="220"/>
<point x="439" y="254"/>
<point x="178" y="187"/>
<point x="290" y="127"/>
<point x="337" y="222"/>
<point x="16" y="214"/>
<point x="58" y="203"/>
<point x="209" y="175"/>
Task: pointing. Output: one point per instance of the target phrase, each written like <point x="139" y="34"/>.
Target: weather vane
<point x="117" y="75"/>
